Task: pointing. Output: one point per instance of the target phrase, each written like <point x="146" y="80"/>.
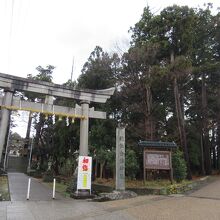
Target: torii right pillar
<point x="84" y="129"/>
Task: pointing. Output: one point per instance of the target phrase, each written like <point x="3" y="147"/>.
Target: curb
<point x="173" y="189"/>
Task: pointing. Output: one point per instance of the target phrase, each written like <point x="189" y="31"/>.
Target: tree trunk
<point x="27" y="138"/>
<point x="96" y="168"/>
<point x="181" y="126"/>
<point x="148" y="119"/>
<point x="181" y="122"/>
<point x="56" y="166"/>
<point x="114" y="174"/>
<point x="202" y="157"/>
<point x="29" y="127"/>
<point x="218" y="142"/>
<point x="38" y="130"/>
<point x="101" y="169"/>
<point x="176" y="97"/>
<point x="206" y="144"/>
<point x="218" y="131"/>
<point x="214" y="165"/>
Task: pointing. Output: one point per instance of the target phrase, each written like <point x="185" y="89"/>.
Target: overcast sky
<point x="43" y="32"/>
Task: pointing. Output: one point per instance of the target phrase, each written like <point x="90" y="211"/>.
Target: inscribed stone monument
<point x="120" y="158"/>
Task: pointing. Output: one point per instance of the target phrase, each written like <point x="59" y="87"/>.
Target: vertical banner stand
<point x="84" y="174"/>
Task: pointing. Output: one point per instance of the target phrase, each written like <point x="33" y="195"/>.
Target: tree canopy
<point x="167" y="88"/>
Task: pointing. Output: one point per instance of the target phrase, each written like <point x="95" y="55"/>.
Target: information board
<point x="158" y="160"/>
<point x="84" y="172"/>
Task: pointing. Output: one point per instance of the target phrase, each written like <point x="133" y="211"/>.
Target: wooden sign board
<point x="157" y="160"/>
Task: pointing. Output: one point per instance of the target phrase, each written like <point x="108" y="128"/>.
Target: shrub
<point x="44" y="165"/>
<point x="67" y="168"/>
<point x="131" y="164"/>
<point x="172" y="189"/>
<point x="179" y="166"/>
<point x="48" y="176"/>
<point x="35" y="173"/>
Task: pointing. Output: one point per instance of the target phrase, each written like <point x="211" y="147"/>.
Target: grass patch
<point x="153" y="184"/>
<point x="60" y="188"/>
<point x="156" y="184"/>
<point x="4" y="190"/>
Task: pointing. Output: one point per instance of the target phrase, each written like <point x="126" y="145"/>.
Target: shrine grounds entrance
<point x="9" y="102"/>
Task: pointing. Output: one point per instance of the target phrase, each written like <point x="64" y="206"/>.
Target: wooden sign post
<point x="157" y="156"/>
<point x="157" y="160"/>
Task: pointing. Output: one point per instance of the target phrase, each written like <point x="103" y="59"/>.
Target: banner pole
<point x="54" y="187"/>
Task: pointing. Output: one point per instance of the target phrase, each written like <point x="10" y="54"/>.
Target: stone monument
<point x="120" y="158"/>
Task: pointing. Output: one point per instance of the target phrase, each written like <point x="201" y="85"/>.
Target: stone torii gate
<point x="8" y="102"/>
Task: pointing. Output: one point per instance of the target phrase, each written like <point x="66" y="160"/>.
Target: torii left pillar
<point x="5" y="120"/>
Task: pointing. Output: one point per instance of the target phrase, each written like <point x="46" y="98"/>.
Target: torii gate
<point x="8" y="102"/>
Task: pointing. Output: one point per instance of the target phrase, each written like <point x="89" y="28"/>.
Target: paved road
<point x="203" y="204"/>
<point x="18" y="183"/>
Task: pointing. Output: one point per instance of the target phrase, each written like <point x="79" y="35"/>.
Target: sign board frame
<point x="148" y="166"/>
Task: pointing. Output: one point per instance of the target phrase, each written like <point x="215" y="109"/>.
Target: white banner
<point x="84" y="172"/>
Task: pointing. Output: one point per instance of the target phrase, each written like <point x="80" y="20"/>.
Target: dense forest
<point x="167" y="89"/>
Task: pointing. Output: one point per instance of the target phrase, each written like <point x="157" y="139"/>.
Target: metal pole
<point x="54" y="187"/>
<point x="28" y="191"/>
<point x="6" y="149"/>
<point x="29" y="161"/>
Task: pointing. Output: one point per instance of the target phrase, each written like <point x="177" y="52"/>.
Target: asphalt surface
<point x="203" y="204"/>
<point x="18" y="185"/>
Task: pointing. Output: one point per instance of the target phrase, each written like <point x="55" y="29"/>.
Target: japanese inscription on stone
<point x="120" y="159"/>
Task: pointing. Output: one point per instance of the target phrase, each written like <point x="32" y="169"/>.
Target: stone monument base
<point x="82" y="194"/>
<point x="115" y="195"/>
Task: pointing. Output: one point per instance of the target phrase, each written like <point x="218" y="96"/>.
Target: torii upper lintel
<point x="15" y="83"/>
